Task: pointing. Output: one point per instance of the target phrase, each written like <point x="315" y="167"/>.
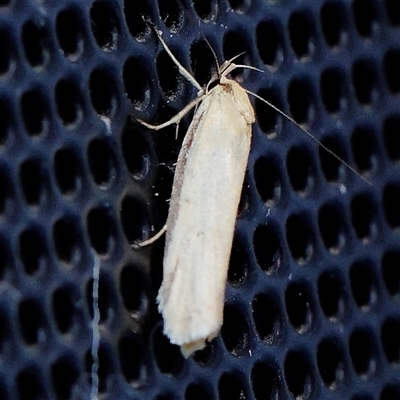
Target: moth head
<point x="221" y="74"/>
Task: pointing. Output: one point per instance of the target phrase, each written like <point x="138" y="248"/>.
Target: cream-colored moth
<point x="205" y="197"/>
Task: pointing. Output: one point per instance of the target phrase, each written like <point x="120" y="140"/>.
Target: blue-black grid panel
<point x="313" y="296"/>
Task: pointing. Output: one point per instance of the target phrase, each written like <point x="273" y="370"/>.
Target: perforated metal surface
<point x="313" y="299"/>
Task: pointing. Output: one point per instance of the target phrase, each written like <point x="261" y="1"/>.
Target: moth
<point x="205" y="198"/>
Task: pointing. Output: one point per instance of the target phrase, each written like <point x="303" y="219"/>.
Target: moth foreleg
<point x="151" y="240"/>
<point x="176" y="118"/>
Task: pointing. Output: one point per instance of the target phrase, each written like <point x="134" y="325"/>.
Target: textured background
<point x="313" y="299"/>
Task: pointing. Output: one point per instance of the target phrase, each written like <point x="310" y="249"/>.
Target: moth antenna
<point x="248" y="67"/>
<point x="214" y="56"/>
<point x="183" y="71"/>
<point x="235" y="57"/>
<point x="228" y="65"/>
<point x="311" y="136"/>
<point x="229" y="68"/>
<point x="194" y="24"/>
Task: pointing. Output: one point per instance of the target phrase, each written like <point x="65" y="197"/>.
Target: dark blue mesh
<point x="313" y="300"/>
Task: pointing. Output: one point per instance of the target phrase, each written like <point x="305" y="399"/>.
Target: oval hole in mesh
<point x="331" y="293"/>
<point x="268" y="119"/>
<point x="267" y="248"/>
<point x="299" y="238"/>
<point x="31" y="322"/>
<point x="131" y="359"/>
<point x="332" y="168"/>
<point x="30" y="385"/>
<point x="301" y="34"/>
<point x="267" y="318"/>
<point x="391" y="135"/>
<point x="238" y="264"/>
<point x="63" y="308"/>
<point x="391" y="201"/>
<point x="68" y="102"/>
<point x="202" y="62"/>
<point x="268" y="181"/>
<point x="331" y="227"/>
<point x="363" y="352"/>
<point x="196" y="391"/>
<point x="300" y="170"/>
<point x="235" y="43"/>
<point x="299" y="307"/>
<point x="102" y="163"/>
<point x="66" y="237"/>
<point x="390" y="266"/>
<point x="68" y="171"/>
<point x="103" y="93"/>
<point x="391" y="392"/>
<point x="6" y="191"/>
<point x="6" y="258"/>
<point x="364" y="14"/>
<point x="332" y="88"/>
<point x="363" y="216"/>
<point x="104" y="25"/>
<point x="332" y="23"/>
<point x="391" y="64"/>
<point x="364" y="81"/>
<point x="136" y="14"/>
<point x="390" y="339"/>
<point x="6" y="117"/>
<point x="136" y="152"/>
<point x="136" y="79"/>
<point x="301" y="102"/>
<point x="32" y="181"/>
<point x="265" y="380"/>
<point x="232" y="387"/>
<point x="34" y="112"/>
<point x="6" y="52"/>
<point x="171" y="14"/>
<point x="64" y="374"/>
<point x="393" y="11"/>
<point x="270" y="43"/>
<point x="100" y="227"/>
<point x="171" y="81"/>
<point x="34" y="41"/>
<point x="234" y="330"/>
<point x="33" y="250"/>
<point x="330" y="362"/>
<point x="168" y="356"/>
<point x="70" y="34"/>
<point x="133" y="285"/>
<point x="206" y="9"/>
<point x="364" y="149"/>
<point x="133" y="219"/>
<point x="298" y="374"/>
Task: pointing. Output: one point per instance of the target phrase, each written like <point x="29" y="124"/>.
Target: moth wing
<point x="203" y="209"/>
